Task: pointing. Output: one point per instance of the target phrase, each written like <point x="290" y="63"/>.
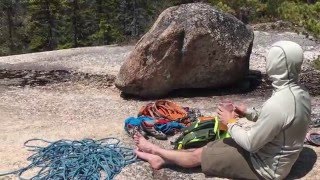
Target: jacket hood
<point x="284" y="62"/>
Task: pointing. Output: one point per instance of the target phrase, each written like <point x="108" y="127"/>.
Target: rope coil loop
<point x="85" y="159"/>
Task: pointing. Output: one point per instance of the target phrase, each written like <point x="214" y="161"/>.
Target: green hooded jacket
<point x="277" y="136"/>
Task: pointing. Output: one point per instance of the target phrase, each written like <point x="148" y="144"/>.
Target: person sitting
<point x="270" y="147"/>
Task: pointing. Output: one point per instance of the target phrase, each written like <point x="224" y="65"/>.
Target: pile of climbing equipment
<point x="199" y="133"/>
<point x="163" y="118"/>
<point x="84" y="159"/>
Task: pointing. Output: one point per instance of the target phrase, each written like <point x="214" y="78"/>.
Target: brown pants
<point x="226" y="159"/>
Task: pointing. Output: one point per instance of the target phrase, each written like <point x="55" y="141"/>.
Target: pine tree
<point x="108" y="30"/>
<point x="42" y="25"/>
<point x="7" y="8"/>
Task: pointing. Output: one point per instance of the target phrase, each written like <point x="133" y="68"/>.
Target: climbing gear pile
<point x="133" y="125"/>
<point x="85" y="159"/>
<point x="163" y="118"/>
<point x="150" y="128"/>
<point x="199" y="133"/>
<point x="160" y="119"/>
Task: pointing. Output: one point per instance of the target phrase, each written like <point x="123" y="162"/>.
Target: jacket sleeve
<point x="265" y="129"/>
<point x="252" y="114"/>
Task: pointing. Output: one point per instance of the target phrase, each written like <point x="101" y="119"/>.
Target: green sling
<point x="199" y="133"/>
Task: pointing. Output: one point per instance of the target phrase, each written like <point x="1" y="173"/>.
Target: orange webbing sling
<point x="164" y="109"/>
<point x="147" y="110"/>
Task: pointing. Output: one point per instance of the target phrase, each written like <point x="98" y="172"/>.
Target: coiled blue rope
<point x="85" y="159"/>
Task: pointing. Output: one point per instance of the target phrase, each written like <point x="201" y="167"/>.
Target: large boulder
<point x="189" y="46"/>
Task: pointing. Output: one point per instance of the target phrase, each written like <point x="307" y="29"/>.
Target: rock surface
<point x="79" y="100"/>
<point x="189" y="46"/>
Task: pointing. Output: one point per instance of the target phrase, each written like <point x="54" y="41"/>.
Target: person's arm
<point x="267" y="126"/>
<point x="251" y="114"/>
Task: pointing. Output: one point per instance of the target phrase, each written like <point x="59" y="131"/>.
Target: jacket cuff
<point x="230" y="121"/>
<point x="230" y="126"/>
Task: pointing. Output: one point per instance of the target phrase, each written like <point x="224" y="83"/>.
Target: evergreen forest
<point x="41" y="25"/>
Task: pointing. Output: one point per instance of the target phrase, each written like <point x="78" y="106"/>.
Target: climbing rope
<point x="85" y="159"/>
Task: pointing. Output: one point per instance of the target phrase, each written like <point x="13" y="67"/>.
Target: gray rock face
<point x="189" y="46"/>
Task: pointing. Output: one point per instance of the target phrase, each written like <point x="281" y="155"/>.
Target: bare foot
<point x="143" y="144"/>
<point x="155" y="161"/>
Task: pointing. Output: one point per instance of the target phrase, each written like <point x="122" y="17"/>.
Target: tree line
<point x="41" y="25"/>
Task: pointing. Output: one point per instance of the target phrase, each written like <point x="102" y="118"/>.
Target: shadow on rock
<point x="304" y="164"/>
<point x="185" y="170"/>
<point x="254" y="83"/>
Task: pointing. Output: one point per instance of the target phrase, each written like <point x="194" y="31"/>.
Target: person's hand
<point x="228" y="106"/>
<point x="240" y="109"/>
<point x="225" y="115"/>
